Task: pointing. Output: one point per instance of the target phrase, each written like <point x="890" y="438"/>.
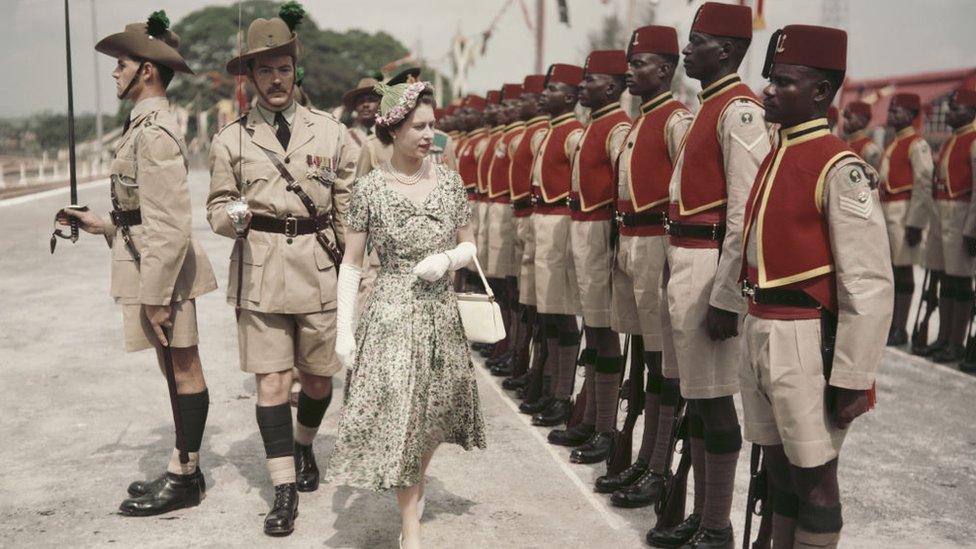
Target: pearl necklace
<point x="411" y="179"/>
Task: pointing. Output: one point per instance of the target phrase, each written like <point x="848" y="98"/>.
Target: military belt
<point x="779" y="296"/>
<point x="641" y="219"/>
<point x="522" y="204"/>
<point x="290" y="226"/>
<point x="715" y="231"/>
<point x="126" y="218"/>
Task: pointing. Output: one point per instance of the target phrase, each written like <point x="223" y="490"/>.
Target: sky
<point x="887" y="37"/>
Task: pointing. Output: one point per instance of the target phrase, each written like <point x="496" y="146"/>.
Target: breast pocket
<point x="327" y="276"/>
<point x="252" y="273"/>
<point x="123" y="175"/>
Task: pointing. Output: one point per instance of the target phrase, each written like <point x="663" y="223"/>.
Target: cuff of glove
<point x="347" y="290"/>
<point x="461" y="255"/>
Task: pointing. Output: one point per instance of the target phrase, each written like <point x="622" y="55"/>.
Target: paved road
<point x="82" y="418"/>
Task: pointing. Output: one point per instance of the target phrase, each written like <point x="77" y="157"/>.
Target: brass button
<point x="287" y="159"/>
<point x="288" y="240"/>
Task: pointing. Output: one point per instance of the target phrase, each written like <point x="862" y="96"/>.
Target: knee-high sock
<point x="652" y="409"/>
<point x="565" y="358"/>
<point x="310" y="414"/>
<point x="670" y="395"/>
<point x="817" y="527"/>
<point x="721" y="455"/>
<point x="785" y="508"/>
<point x="193" y="412"/>
<point x="696" y="435"/>
<point x="274" y="422"/>
<point x="589" y="412"/>
<point x="607" y="392"/>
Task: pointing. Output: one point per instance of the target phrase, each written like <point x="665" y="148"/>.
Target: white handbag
<point x="480" y="313"/>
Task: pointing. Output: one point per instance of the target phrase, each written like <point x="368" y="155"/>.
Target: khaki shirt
<point x="149" y="174"/>
<point x="922" y="204"/>
<point x="745" y="141"/>
<point x="282" y="274"/>
<point x="674" y="133"/>
<point x="372" y="156"/>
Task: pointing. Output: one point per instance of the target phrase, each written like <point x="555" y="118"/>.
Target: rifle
<point x="72" y="163"/>
<point x="631" y="392"/>
<point x="757" y="504"/>
<point x="579" y="403"/>
<point x="969" y="357"/>
<point x="670" y="508"/>
<point x="930" y="299"/>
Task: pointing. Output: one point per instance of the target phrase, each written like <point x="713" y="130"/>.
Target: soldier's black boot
<point x="674" y="536"/>
<point x="503" y="368"/>
<point x="595" y="450"/>
<point x="712" y="538"/>
<point x="949" y="353"/>
<point x="897" y="337"/>
<point x="280" y="520"/>
<point x="174" y="492"/>
<point x="515" y="383"/>
<point x="574" y="436"/>
<point x="140" y="487"/>
<point x="306" y="471"/>
<point x="646" y="491"/>
<point x="607" y="484"/>
<point x="556" y="413"/>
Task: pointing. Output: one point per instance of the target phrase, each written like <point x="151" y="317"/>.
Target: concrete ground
<point x="83" y="418"/>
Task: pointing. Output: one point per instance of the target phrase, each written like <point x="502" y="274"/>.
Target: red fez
<point x="511" y="91"/>
<point x="438" y="113"/>
<point x="807" y="45"/>
<point x="475" y="102"/>
<point x="606" y="62"/>
<point x="450" y="110"/>
<point x="567" y="74"/>
<point x="907" y="100"/>
<point x="832" y="115"/>
<point x="719" y="19"/>
<point x="859" y="108"/>
<point x="965" y="96"/>
<point x="494" y="97"/>
<point x="654" y="39"/>
<point x="534" y="83"/>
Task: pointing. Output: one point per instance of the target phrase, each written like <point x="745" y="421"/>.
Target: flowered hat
<point x="397" y="101"/>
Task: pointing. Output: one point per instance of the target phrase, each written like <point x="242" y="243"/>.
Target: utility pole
<point x="540" y="34"/>
<point x="98" y="92"/>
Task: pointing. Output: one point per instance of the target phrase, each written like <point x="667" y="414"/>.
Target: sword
<point x="72" y="172"/>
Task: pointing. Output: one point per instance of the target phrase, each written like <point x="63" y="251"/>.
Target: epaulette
<point x="322" y="113"/>
<point x="239" y="120"/>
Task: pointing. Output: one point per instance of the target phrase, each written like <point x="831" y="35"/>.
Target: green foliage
<point x="46" y="132"/>
<point x="292" y="13"/>
<point x="158" y="24"/>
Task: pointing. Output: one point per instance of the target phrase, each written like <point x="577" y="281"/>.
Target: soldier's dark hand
<point x="848" y="405"/>
<point x="721" y="324"/>
<point x="159" y="319"/>
<point x="970" y="245"/>
<point x="913" y="235"/>
<point x="87" y="221"/>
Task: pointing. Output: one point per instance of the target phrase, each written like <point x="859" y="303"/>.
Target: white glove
<point x="435" y="266"/>
<point x="347" y="289"/>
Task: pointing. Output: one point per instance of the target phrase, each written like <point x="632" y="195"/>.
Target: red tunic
<point x="556" y="170"/>
<point x="597" y="179"/>
<point x="954" y="161"/>
<point x="484" y="161"/>
<point x="520" y="171"/>
<point x="498" y="169"/>
<point x="857" y="144"/>
<point x="787" y="197"/>
<point x="900" y="180"/>
<point x="467" y="161"/>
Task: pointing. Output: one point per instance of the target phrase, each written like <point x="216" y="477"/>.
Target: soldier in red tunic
<point x="471" y="115"/>
<point x="906" y="200"/>
<point x="524" y="148"/>
<point x="713" y="172"/>
<point x="816" y="325"/>
<point x="643" y="177"/>
<point x="946" y="252"/>
<point x="592" y="202"/>
<point x="857" y="117"/>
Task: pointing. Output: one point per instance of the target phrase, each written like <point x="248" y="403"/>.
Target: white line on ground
<point x="598" y="504"/>
<point x="45" y="194"/>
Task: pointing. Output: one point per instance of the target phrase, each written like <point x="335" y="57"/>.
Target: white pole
<point x="3" y="185"/>
<point x="42" y="168"/>
<point x="23" y="173"/>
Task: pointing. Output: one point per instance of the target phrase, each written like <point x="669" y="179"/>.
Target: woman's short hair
<point x="385" y="133"/>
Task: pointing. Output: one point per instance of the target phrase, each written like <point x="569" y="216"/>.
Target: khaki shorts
<point x="945" y="250"/>
<point x="556" y="292"/>
<point x="525" y="256"/>
<point x="706" y="368"/>
<point x="783" y="391"/>
<point x="139" y="334"/>
<point x="275" y="342"/>
<point x="636" y="307"/>
<point x="481" y="237"/>
<point x="902" y="255"/>
<point x="501" y="242"/>
<point x="593" y="259"/>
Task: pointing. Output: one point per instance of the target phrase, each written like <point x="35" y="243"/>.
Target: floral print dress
<point x="413" y="383"/>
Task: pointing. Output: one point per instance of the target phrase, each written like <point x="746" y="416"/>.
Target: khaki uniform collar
<point x="148" y="105"/>
<point x="269" y="115"/>
<point x="718" y="86"/>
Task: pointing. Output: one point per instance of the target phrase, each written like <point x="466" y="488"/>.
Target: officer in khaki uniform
<point x="906" y="199"/>
<point x="158" y="269"/>
<point x="643" y="176"/>
<point x="283" y="160"/>
<point x="815" y="331"/>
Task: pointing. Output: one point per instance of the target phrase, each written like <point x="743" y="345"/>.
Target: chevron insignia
<point x="857" y="206"/>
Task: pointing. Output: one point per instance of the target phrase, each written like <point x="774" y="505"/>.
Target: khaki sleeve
<point x="572" y="141"/>
<point x="862" y="263"/>
<point x="922" y="205"/>
<point x="970" y="225"/>
<point x="111" y="229"/>
<point x="164" y="198"/>
<point x="537" y="140"/>
<point x="516" y="141"/>
<point x="224" y="187"/>
<point x="346" y="169"/>
<point x="873" y="155"/>
<point x="364" y="162"/>
<point x="479" y="148"/>
<point x="676" y="128"/>
<point x="615" y="143"/>
<point x="745" y="142"/>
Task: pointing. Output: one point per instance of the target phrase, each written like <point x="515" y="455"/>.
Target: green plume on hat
<point x="292" y="13"/>
<point x="157" y="24"/>
<point x="299" y="75"/>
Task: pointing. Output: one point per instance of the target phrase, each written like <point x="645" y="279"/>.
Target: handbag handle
<point x="481" y="273"/>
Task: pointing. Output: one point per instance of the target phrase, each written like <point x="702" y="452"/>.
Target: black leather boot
<point x="556" y="413"/>
<point x="897" y="337"/>
<point x="646" y="491"/>
<point x="574" y="436"/>
<point x="674" y="536"/>
<point x="491" y="362"/>
<point x="503" y="368"/>
<point x="712" y="538"/>
<point x="607" y="484"/>
<point x="949" y="353"/>
<point x="280" y="520"/>
<point x="306" y="471"/>
<point x="515" y="383"/>
<point x="174" y="492"/>
<point x="140" y="487"/>
<point x="533" y="408"/>
<point x="595" y="450"/>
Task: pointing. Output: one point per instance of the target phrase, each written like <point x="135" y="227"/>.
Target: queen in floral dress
<point x="411" y="383"/>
